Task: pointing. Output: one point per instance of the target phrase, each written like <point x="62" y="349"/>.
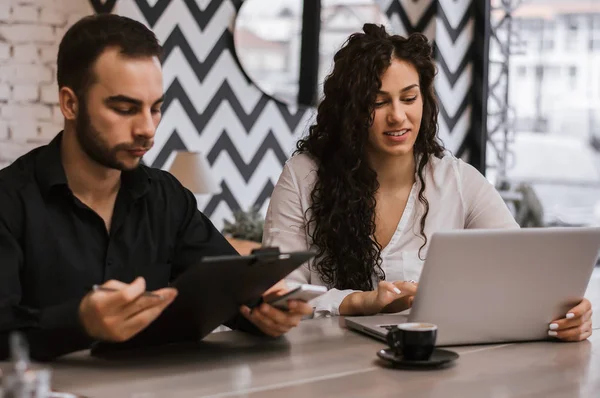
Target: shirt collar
<point x="48" y="168"/>
<point x="50" y="172"/>
<point x="136" y="181"/>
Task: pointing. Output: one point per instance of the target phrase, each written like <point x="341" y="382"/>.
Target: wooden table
<point x="322" y="359"/>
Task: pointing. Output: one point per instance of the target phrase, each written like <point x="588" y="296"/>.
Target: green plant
<point x="246" y="225"/>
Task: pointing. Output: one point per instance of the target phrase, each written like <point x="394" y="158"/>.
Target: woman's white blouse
<point x="459" y="198"/>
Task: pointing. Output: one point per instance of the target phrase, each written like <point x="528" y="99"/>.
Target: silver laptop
<point x="494" y="286"/>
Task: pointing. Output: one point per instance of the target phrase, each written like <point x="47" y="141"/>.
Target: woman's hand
<point x="402" y="303"/>
<point x="576" y="326"/>
<point x="370" y="303"/>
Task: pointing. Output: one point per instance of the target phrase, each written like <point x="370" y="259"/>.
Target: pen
<point x="109" y="289"/>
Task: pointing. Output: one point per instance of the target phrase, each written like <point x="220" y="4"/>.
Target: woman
<point x="371" y="182"/>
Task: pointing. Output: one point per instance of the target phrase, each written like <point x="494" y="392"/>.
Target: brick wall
<point x="30" y="31"/>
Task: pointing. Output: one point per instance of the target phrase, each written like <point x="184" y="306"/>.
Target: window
<point x="594" y="44"/>
<point x="596" y="22"/>
<point x="572" y="23"/>
<point x="552" y="116"/>
<point x="548" y="44"/>
<point x="572" y="28"/>
<point x="551" y="72"/>
<point x="532" y="24"/>
<point x="573" y="76"/>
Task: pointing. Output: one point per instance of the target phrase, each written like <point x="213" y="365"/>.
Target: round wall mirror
<point x="268" y="40"/>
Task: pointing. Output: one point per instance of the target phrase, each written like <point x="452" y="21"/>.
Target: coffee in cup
<point x="413" y="341"/>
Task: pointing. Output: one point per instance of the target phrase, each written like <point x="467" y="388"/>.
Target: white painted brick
<point x="4" y="92"/>
<point x="26" y="112"/>
<point x="30" y="31"/>
<point x="25" y="92"/>
<point x="10" y="150"/>
<point x="73" y="18"/>
<point x="24" y="13"/>
<point x="59" y="32"/>
<point x="49" y="94"/>
<point x="47" y="131"/>
<point x="48" y="54"/>
<point x="5" y="11"/>
<point x="4" y="51"/>
<point x="4" y="135"/>
<point x="52" y="16"/>
<point x="27" y="33"/>
<point x="79" y="7"/>
<point x="57" y="115"/>
<point x="26" y="53"/>
<point x="32" y="74"/>
<point x="7" y="73"/>
<point x="22" y="131"/>
<point x="15" y="73"/>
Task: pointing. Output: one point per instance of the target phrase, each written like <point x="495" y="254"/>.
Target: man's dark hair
<point x="89" y="37"/>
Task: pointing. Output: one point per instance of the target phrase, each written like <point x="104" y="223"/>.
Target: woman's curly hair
<point x="342" y="220"/>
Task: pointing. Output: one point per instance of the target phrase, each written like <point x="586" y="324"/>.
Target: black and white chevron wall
<point x="213" y="108"/>
<point x="450" y="23"/>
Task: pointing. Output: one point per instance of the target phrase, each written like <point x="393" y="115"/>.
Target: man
<point x="83" y="211"/>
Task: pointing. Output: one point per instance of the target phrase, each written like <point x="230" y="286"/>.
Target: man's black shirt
<point x="54" y="248"/>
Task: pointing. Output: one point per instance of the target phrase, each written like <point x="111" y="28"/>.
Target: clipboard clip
<point x="265" y="255"/>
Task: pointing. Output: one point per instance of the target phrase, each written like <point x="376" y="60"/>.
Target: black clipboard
<point x="212" y="291"/>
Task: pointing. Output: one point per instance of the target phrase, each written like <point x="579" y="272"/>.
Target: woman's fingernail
<point x="553" y="326"/>
<point x="397" y="291"/>
<point x="570" y="315"/>
<point x="552" y="333"/>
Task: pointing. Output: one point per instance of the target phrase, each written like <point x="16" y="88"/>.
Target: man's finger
<point x="140" y="321"/>
<point x="114" y="284"/>
<point x="163" y="298"/>
<point x="113" y="302"/>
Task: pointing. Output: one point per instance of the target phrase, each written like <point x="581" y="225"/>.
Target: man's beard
<point x="96" y="148"/>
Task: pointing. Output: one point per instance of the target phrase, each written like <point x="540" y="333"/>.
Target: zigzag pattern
<point x="225" y="144"/>
<point x="211" y="106"/>
<point x="224" y="119"/>
<point x="452" y="46"/>
<point x="414" y="17"/>
<point x="227" y="197"/>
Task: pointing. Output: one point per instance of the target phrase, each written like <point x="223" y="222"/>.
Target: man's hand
<point x="273" y="321"/>
<point x="118" y="316"/>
